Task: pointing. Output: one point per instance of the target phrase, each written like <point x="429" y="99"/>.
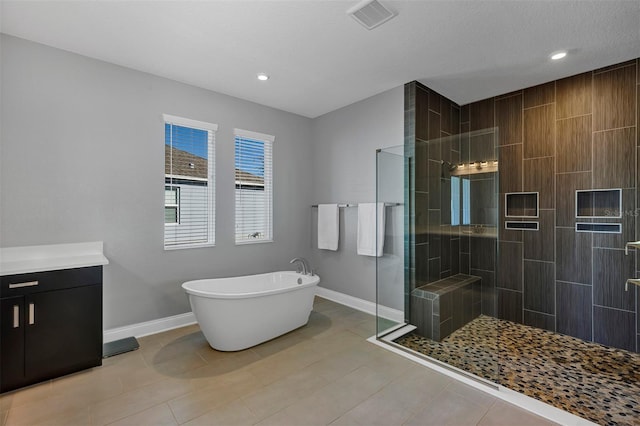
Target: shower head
<point x="449" y="167"/>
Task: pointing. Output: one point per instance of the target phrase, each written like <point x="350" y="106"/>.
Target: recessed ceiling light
<point x="263" y="77"/>
<point x="558" y="55"/>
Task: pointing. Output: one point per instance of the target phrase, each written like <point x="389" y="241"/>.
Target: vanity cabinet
<point x="50" y="325"/>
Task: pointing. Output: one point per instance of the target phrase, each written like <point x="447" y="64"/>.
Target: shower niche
<point x="521" y="205"/>
<point x="595" y="205"/>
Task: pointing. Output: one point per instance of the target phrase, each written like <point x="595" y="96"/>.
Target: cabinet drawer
<point x="23" y="284"/>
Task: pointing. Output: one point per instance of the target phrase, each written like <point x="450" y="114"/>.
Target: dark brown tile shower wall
<point x="433" y="251"/>
<point x="576" y="133"/>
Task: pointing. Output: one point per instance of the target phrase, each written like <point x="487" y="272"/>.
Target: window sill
<point x="243" y="243"/>
<point x="188" y="246"/>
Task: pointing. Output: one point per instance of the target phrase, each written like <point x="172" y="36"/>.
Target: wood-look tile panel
<point x="435" y="101"/>
<point x="509" y="120"/>
<point x="422" y="315"/>
<point x="455" y="256"/>
<point x="434" y="269"/>
<point x="421" y="166"/>
<point x="573" y="95"/>
<point x="612" y="327"/>
<point x="434" y="235"/>
<point x="464" y="113"/>
<point x="632" y="62"/>
<point x="435" y="152"/>
<point x="422" y="114"/>
<point x="628" y="222"/>
<point x="539" y="95"/>
<point x="464" y="263"/>
<point x="539" y="131"/>
<point x="539" y="245"/>
<point x="510" y="165"/>
<point x="483" y="253"/>
<point x="483" y="197"/>
<point x="614" y="162"/>
<point x="574" y="310"/>
<point x="510" y="305"/>
<point x="455" y="119"/>
<point x="421" y="217"/>
<point x="539" y="177"/>
<point x="573" y="256"/>
<point x="445" y="253"/>
<point x="434" y="185"/>
<point x="611" y="268"/>
<point x="573" y="144"/>
<point x="539" y="320"/>
<point x="446" y="124"/>
<point x="434" y="125"/>
<point x="422" y="262"/>
<point x="481" y="114"/>
<point x="566" y="185"/>
<point x="487" y="291"/>
<point x="539" y="286"/>
<point x="503" y="233"/>
<point x="482" y="147"/>
<point x="510" y="255"/>
<point x="614" y="102"/>
<point x="409" y="95"/>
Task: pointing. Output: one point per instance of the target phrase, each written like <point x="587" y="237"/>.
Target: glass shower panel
<point x="451" y="193"/>
<point x="390" y="181"/>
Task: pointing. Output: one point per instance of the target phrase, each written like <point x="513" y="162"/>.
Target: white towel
<point x="328" y="227"/>
<point x="370" y="230"/>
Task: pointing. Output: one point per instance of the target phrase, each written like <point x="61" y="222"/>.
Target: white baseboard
<point x="360" y="304"/>
<point x="149" y="327"/>
<point x="164" y="324"/>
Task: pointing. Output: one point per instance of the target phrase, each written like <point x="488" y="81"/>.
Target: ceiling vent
<point x="370" y="13"/>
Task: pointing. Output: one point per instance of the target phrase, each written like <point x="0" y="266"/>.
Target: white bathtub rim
<point x="186" y="286"/>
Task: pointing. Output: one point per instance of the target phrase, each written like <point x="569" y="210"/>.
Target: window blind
<point x="189" y="183"/>
<point x="253" y="187"/>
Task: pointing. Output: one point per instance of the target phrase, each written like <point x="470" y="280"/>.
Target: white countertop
<point x="21" y="260"/>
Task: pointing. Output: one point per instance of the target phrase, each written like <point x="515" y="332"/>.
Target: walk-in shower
<point x="513" y="269"/>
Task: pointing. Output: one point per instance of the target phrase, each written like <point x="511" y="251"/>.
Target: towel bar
<point x="356" y="205"/>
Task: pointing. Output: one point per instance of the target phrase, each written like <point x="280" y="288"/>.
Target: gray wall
<point x="344" y="170"/>
<point x="82" y="147"/>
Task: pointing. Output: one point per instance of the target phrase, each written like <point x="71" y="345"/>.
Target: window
<point x="189" y="192"/>
<point x="254" y="187"/>
<point x="171" y="204"/>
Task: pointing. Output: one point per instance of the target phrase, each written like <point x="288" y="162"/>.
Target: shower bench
<point x="441" y="307"/>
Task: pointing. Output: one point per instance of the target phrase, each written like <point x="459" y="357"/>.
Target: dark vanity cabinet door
<point x="66" y="332"/>
<point x="51" y="325"/>
<point x="12" y="342"/>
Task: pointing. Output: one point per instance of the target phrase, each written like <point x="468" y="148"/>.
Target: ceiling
<point x="320" y="59"/>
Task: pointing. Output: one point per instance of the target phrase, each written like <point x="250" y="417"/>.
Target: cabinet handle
<point x="32" y="312"/>
<point x="16" y="316"/>
<point x="27" y="284"/>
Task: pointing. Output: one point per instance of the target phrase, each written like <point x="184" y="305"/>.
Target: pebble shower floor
<point x="593" y="381"/>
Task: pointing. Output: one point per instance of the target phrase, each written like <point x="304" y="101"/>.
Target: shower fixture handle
<point x="632" y="244"/>
<point x="631" y="281"/>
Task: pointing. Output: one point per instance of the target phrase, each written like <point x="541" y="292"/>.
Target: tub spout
<point x="306" y="270"/>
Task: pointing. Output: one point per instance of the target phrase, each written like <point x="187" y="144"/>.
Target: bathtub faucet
<point x="306" y="270"/>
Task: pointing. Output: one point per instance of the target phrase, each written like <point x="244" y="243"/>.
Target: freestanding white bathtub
<point x="240" y="312"/>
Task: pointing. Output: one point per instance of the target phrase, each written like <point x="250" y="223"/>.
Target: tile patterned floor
<point x="595" y="382"/>
<point x="323" y="373"/>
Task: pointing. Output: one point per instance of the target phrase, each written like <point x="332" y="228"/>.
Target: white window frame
<point x="268" y="141"/>
<point x="211" y="178"/>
